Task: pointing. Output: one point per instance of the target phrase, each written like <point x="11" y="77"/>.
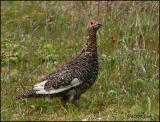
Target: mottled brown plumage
<point x="74" y="77"/>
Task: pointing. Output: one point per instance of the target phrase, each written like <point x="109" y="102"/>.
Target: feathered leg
<point x="74" y="99"/>
<point x="64" y="100"/>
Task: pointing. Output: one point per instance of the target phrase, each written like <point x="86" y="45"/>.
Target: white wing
<point x="40" y="87"/>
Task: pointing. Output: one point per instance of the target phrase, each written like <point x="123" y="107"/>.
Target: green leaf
<point x="136" y="110"/>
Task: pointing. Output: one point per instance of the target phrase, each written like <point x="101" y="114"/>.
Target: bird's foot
<point x="64" y="104"/>
<point x="64" y="101"/>
<point x="81" y="106"/>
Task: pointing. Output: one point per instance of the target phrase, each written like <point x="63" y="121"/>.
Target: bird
<point x="70" y="80"/>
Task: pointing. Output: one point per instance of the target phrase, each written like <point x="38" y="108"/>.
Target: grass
<point x="37" y="36"/>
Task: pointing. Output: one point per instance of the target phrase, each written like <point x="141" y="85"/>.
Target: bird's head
<point x="94" y="25"/>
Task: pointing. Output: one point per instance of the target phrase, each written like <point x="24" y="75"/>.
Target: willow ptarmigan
<point x="74" y="77"/>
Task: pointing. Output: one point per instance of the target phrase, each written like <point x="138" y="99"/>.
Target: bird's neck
<point x="90" y="45"/>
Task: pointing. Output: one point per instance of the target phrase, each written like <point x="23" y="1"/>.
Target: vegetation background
<point x="36" y="36"/>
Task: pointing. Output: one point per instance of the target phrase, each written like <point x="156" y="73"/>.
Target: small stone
<point x="84" y="119"/>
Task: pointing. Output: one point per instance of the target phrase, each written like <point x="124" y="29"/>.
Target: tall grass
<point x="37" y="36"/>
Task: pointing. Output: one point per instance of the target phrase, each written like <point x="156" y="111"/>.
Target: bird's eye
<point x="91" y="23"/>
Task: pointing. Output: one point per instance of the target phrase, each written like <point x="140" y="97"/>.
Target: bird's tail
<point x="27" y="94"/>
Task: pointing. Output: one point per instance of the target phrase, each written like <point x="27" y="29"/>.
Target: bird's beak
<point x="99" y="24"/>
